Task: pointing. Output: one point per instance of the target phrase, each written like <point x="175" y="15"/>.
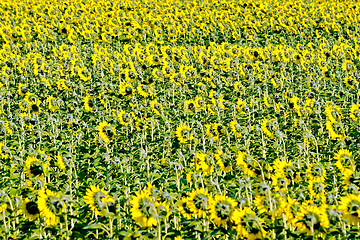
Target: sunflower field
<point x="179" y="119"/>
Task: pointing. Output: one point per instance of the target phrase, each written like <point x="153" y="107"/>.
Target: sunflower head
<point x="106" y="132"/>
<point x="183" y="206"/>
<point x="248" y="225"/>
<point x="51" y="206"/>
<point x="221" y="209"/>
<point x="30" y="209"/>
<point x="99" y="201"/>
<point x="35" y="167"/>
<point x="200" y="202"/>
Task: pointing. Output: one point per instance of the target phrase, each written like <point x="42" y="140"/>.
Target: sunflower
<point x="221" y="209"/>
<point x="199" y="202"/>
<point x="224" y="161"/>
<point x="199" y="103"/>
<point x="189" y="107"/>
<point x="333" y="112"/>
<point x="35" y="167"/>
<point x="98" y="200"/>
<point x="344" y="161"/>
<point x="50" y="206"/>
<point x="351" y="181"/>
<point x="106" y="132"/>
<point x="22" y="89"/>
<point x="334" y="130"/>
<point x="143" y="209"/>
<point x="316" y="189"/>
<point x="84" y="74"/>
<point x="145" y="90"/>
<point x="317" y="172"/>
<point x="214" y="131"/>
<point x="235" y="128"/>
<point x="126" y="90"/>
<point x="248" y="225"/>
<point x="124" y="118"/>
<point x="89" y="102"/>
<point x="183" y="206"/>
<point x="350" y="207"/>
<point x="285" y="170"/>
<point x="35" y="107"/>
<point x="30" y="209"/>
<point x="268" y="127"/>
<point x="312" y="219"/>
<point x="249" y="165"/>
<point x="64" y="161"/>
<point x="279" y="182"/>
<point x="156" y="107"/>
<point x="52" y="104"/>
<point x="270" y="205"/>
<point x="241" y="106"/>
<point x="183" y="133"/>
<point x="355" y="112"/>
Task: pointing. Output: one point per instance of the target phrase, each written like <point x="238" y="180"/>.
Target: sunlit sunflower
<point x="221" y="209"/>
<point x="145" y="90"/>
<point x="106" y="132"/>
<point x="249" y="165"/>
<point x="312" y="219"/>
<point x="316" y="172"/>
<point x="35" y="107"/>
<point x="268" y="127"/>
<point x="143" y="209"/>
<point x="99" y="201"/>
<point x="350" y="207"/>
<point x="52" y="104"/>
<point x="215" y="131"/>
<point x="126" y="90"/>
<point x="200" y="202"/>
<point x="344" y="161"/>
<point x="199" y="103"/>
<point x="89" y="102"/>
<point x="235" y="128"/>
<point x="30" y="209"/>
<point x="272" y="206"/>
<point x="333" y="112"/>
<point x="316" y="188"/>
<point x="124" y="118"/>
<point x="224" y="161"/>
<point x="355" y="112"/>
<point x="22" y="89"/>
<point x="336" y="130"/>
<point x="183" y="133"/>
<point x="183" y="206"/>
<point x="248" y="225"/>
<point x="35" y="167"/>
<point x="51" y="206"/>
<point x="157" y="107"/>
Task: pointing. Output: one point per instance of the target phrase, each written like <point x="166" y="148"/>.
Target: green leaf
<point x="96" y="226"/>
